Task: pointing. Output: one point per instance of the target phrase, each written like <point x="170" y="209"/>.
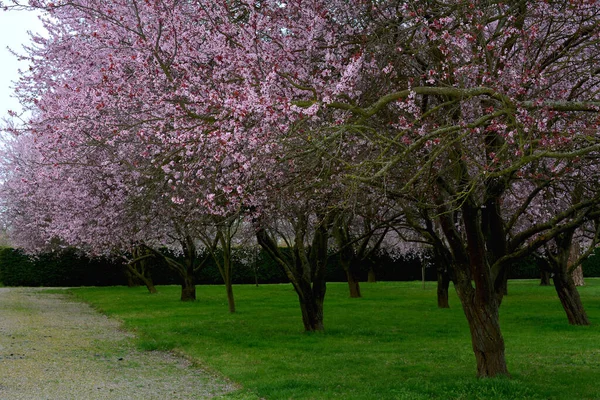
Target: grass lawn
<point x="394" y="343"/>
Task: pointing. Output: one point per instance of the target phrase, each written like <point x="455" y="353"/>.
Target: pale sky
<point x="13" y="33"/>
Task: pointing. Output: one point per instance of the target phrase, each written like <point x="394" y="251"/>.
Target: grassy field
<point x="394" y="343"/>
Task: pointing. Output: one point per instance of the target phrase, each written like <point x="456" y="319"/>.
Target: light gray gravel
<point x="53" y="348"/>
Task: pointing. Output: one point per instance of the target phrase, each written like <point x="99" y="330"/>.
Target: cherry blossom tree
<point x="464" y="99"/>
<point x="448" y="105"/>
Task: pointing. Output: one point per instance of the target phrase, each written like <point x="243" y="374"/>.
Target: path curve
<point x="54" y="348"/>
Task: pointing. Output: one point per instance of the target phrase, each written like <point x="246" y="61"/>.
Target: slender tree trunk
<point x="225" y="265"/>
<point x="149" y="285"/>
<point x="569" y="298"/>
<point x="227" y="278"/>
<point x="230" y="298"/>
<point x="347" y="255"/>
<point x="351" y="276"/>
<point x="131" y="281"/>
<point x="443" y="283"/>
<point x="353" y="285"/>
<point x="142" y="275"/>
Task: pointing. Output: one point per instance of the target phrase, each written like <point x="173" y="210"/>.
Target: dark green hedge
<point x="67" y="268"/>
<point x="70" y="268"/>
<point x="591" y="266"/>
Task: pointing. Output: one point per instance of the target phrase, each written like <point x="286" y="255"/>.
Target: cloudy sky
<point x="14" y="26"/>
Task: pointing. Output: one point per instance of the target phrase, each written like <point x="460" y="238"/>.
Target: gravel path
<point x="53" y="348"/>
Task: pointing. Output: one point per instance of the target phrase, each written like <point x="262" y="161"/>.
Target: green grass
<point x="394" y="343"/>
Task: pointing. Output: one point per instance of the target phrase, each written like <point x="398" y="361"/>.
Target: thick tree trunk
<point x="545" y="278"/>
<point x="486" y="337"/>
<point x="578" y="276"/>
<point x="311" y="306"/>
<point x="569" y="298"/>
<point x="481" y="301"/>
<point x="577" y="273"/>
<point x="487" y="340"/>
<point x="188" y="289"/>
<point x="305" y="271"/>
<point x="443" y="283"/>
<point x="501" y="286"/>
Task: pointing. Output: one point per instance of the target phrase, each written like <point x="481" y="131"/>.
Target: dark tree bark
<point x="353" y="284"/>
<point x="305" y="268"/>
<point x="186" y="268"/>
<point x="480" y="302"/>
<point x="224" y="236"/>
<point x="226" y="269"/>
<point x="188" y="288"/>
<point x="347" y="254"/>
<point x="355" y="251"/>
<point x="138" y="268"/>
<point x="577" y="275"/>
<point x="441" y="257"/>
<point x="147" y="281"/>
<point x="371" y="276"/>
<point x="545" y="278"/>
<point x="486" y="337"/>
<point x="132" y="281"/>
<point x="443" y="283"/>
<point x="559" y="259"/>
<point x="569" y="298"/>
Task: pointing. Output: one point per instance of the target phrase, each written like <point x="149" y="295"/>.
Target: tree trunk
<point x="569" y="298"/>
<point x="305" y="269"/>
<point x="142" y="276"/>
<point x="353" y="284"/>
<point x="443" y="283"/>
<point x="311" y="306"/>
<point x="577" y="273"/>
<point x="149" y="285"/>
<point x="188" y="289"/>
<point x="545" y="279"/>
<point x="347" y="255"/>
<point x="484" y="324"/>
<point x="481" y="301"/>
<point x="578" y="276"/>
<point x="371" y="277"/>
<point x="230" y="298"/>
<point x="131" y="281"/>
<point x="225" y="264"/>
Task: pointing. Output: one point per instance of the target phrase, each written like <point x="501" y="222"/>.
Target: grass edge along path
<point x="394" y="343"/>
